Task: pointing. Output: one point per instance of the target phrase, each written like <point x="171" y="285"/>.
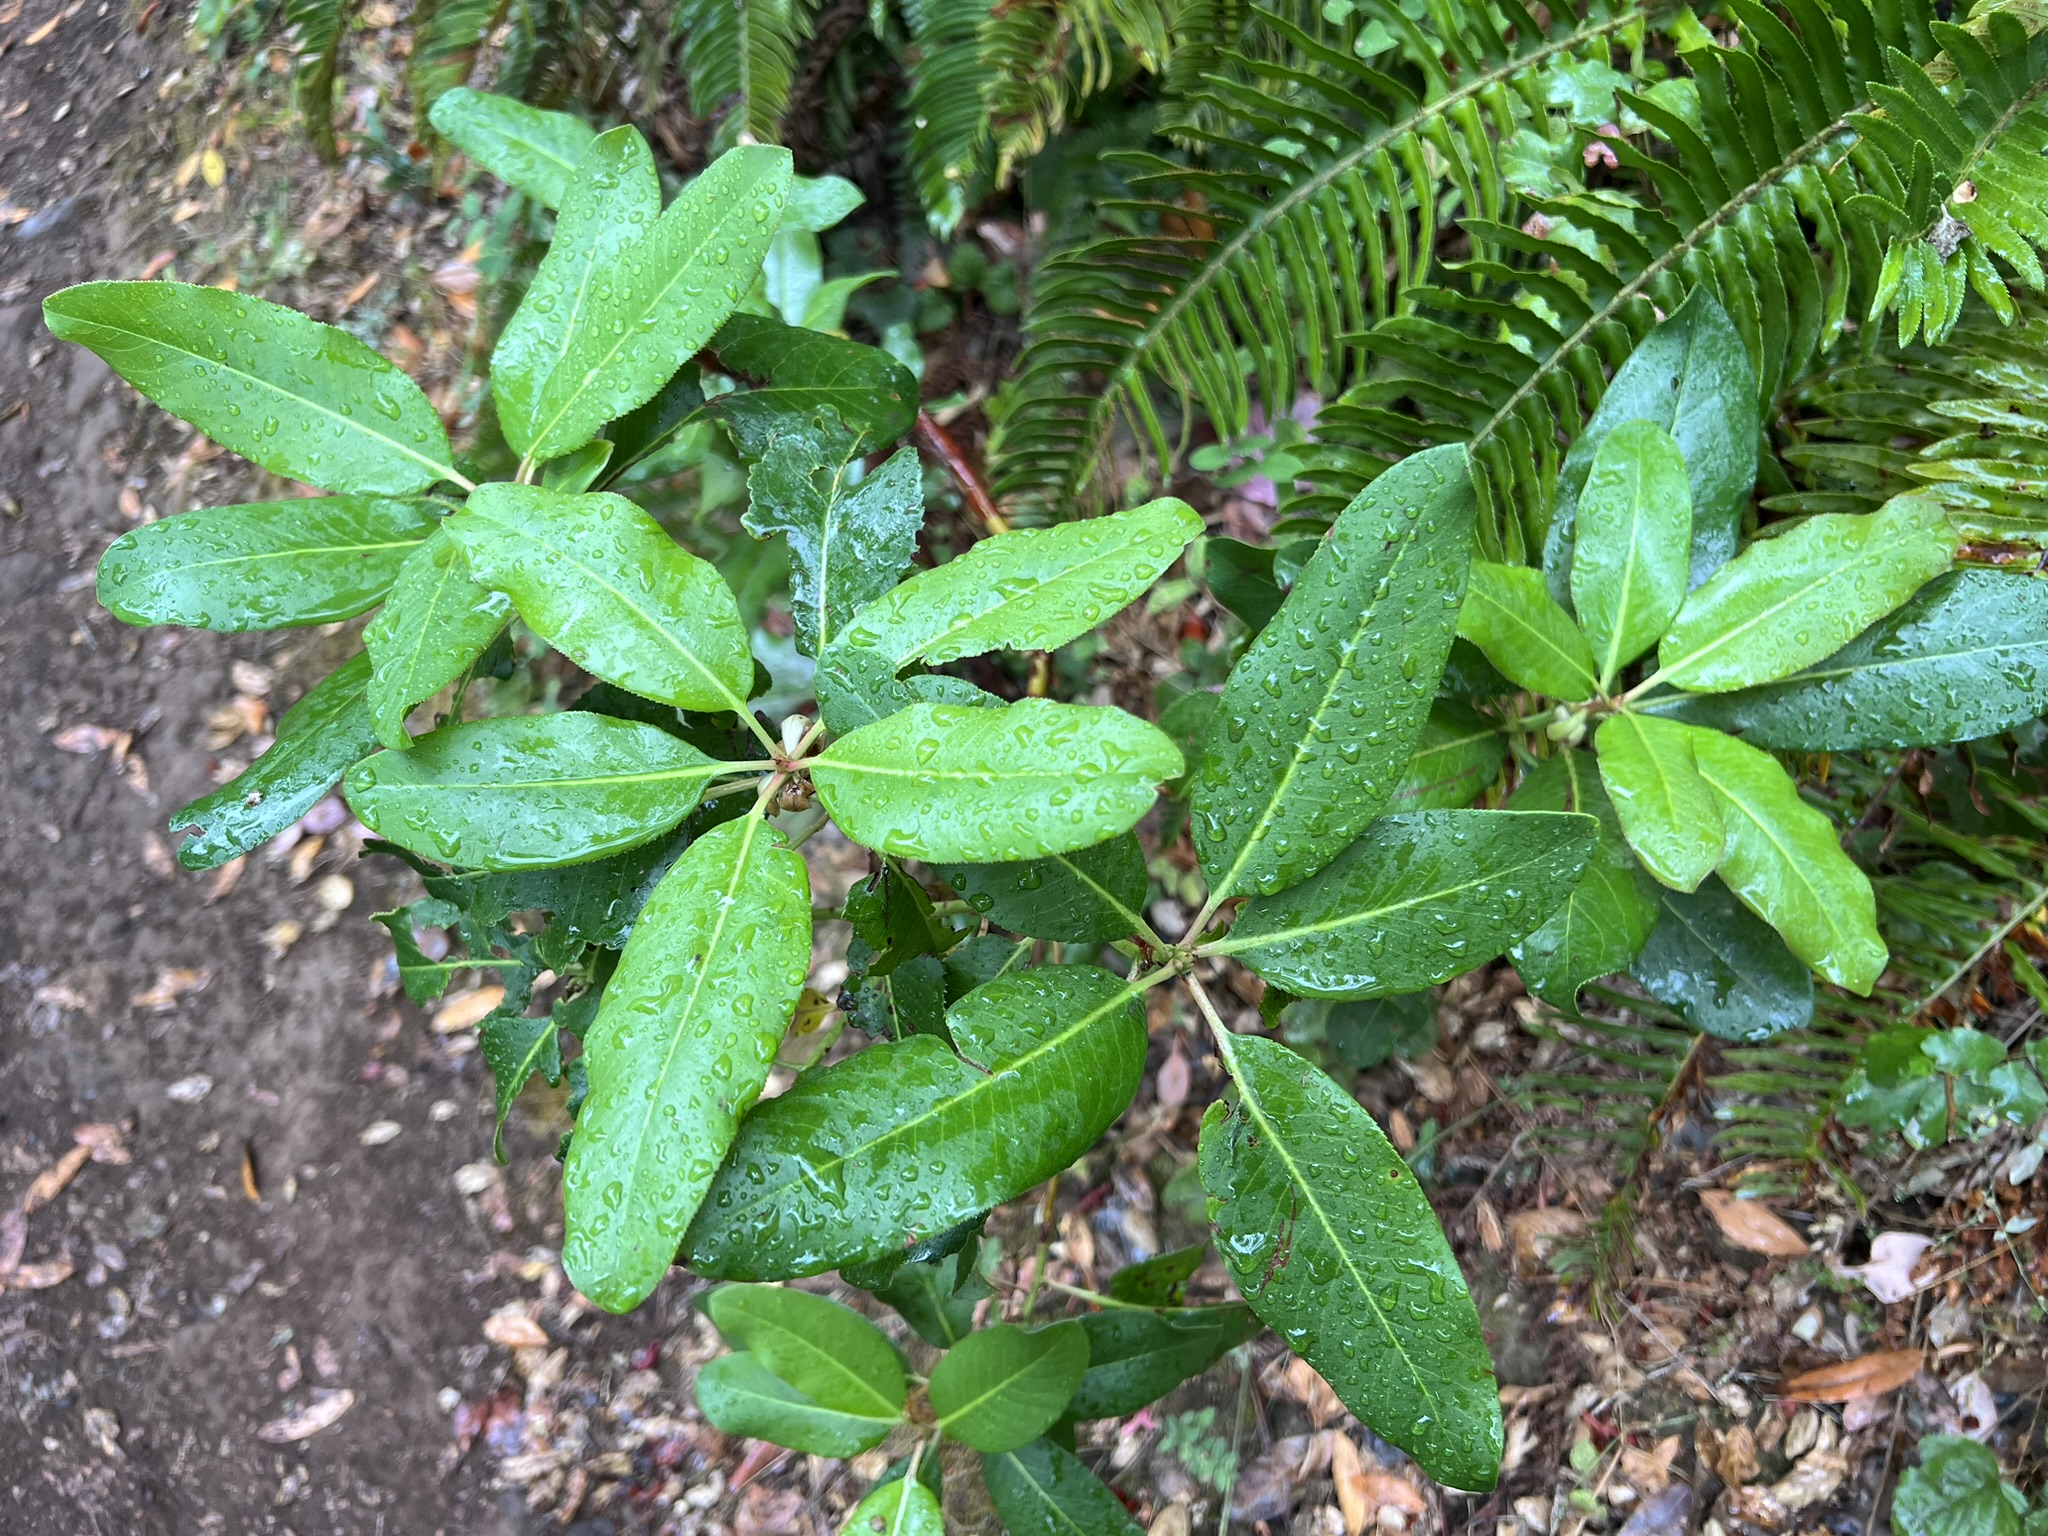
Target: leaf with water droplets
<point x="434" y="623"/>
<point x="1785" y="862"/>
<point x="790" y="374"/>
<point x="613" y="201"/>
<point x="828" y="1352"/>
<point x="600" y="581"/>
<point x="1324" y="708"/>
<point x="945" y="782"/>
<point x="1724" y="969"/>
<point x="317" y="740"/>
<point x="302" y="399"/>
<point x="264" y="564"/>
<point x="1691" y="376"/>
<point x="1334" y="1245"/>
<point x="530" y="791"/>
<point x="661" y="297"/>
<point x="1089" y="896"/>
<point x="1633" y="554"/>
<point x="1458" y="754"/>
<point x="1419" y="898"/>
<point x="1668" y="814"/>
<point x="740" y="1395"/>
<point x="535" y="151"/>
<point x="892" y="1145"/>
<point x="1044" y="1489"/>
<point x="1791" y="600"/>
<point x="679" y="1052"/>
<point x="1965" y="658"/>
<point x="1031" y="589"/>
<point x="1003" y="1385"/>
<point x="1509" y="616"/>
<point x="903" y="1506"/>
<point x="1137" y="1355"/>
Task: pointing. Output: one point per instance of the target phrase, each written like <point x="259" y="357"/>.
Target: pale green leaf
<point x="830" y="1353"/>
<point x="902" y="1506"/>
<point x="741" y="1396"/>
<point x="1003" y="1385"/>
<point x="1510" y="617"/>
<point x="1633" y="553"/>
<point x="1668" y="813"/>
<point x="434" y="624"/>
<point x="534" y="151"/>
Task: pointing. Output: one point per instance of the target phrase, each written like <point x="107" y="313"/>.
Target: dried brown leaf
<point x="466" y="1009"/>
<point x="1347" y="1470"/>
<point x="1867" y="1376"/>
<point x="515" y="1330"/>
<point x="13" y="1239"/>
<point x="40" y="1277"/>
<point x="49" y="1184"/>
<point x="1751" y="1226"/>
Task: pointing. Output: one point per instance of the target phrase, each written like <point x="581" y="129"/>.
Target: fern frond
<point x="739" y="57"/>
<point x="948" y="150"/>
<point x="1262" y="266"/>
<point x="1046" y="57"/>
<point x="447" y="36"/>
<point x="318" y="27"/>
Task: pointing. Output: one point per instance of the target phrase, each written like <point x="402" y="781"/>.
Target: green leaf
<point x="434" y="624"/>
<point x="299" y="398"/>
<point x="935" y="1299"/>
<point x="1956" y="1491"/>
<point x="1510" y="617"/>
<point x="793" y="373"/>
<point x="1459" y="753"/>
<point x="654" y="306"/>
<point x="1136" y="1356"/>
<point x="1003" y="1385"/>
<point x="515" y="1047"/>
<point x="902" y="1506"/>
<point x="1791" y="600"/>
<point x="954" y="782"/>
<point x="600" y="581"/>
<point x="264" y="564"/>
<point x="1323" y="710"/>
<point x="1612" y="909"/>
<point x="1334" y="1245"/>
<point x="1691" y="376"/>
<point x="1372" y="1030"/>
<point x="848" y="544"/>
<point x="1633" y="555"/>
<point x="1043" y="1489"/>
<point x="741" y="1396"/>
<point x="1033" y="589"/>
<point x="679" y="1052"/>
<point x="1785" y="863"/>
<point x="593" y="903"/>
<point x="535" y="151"/>
<point x="1419" y="898"/>
<point x="893" y="1144"/>
<point x="613" y="201"/>
<point x="1087" y="897"/>
<point x="1726" y="971"/>
<point x="531" y="791"/>
<point x="1668" y="814"/>
<point x="830" y="1353"/>
<point x="1160" y="1280"/>
<point x="317" y="741"/>
<point x="1965" y="658"/>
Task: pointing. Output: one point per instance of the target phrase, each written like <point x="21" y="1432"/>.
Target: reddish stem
<point x="938" y="443"/>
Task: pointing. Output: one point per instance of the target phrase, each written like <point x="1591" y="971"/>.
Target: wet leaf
<point x="1160" y="1280"/>
<point x="263" y="565"/>
<point x="1003" y="1385"/>
<point x="1957" y="1490"/>
<point x="1723" y="968"/>
<point x="1457" y="755"/>
<point x="1510" y="617"/>
<point x="791" y="374"/>
<point x="902" y="1506"/>
<point x="433" y="626"/>
<point x="1323" y="710"/>
<point x="892" y="1145"/>
<point x="1136" y="1356"/>
<point x="679" y="1051"/>
<point x="1043" y="1489"/>
<point x="1669" y="815"/>
<point x="1334" y="1245"/>
<point x="948" y="782"/>
<point x="322" y="1412"/>
<point x="740" y="1395"/>
<point x="599" y="580"/>
<point x="531" y="791"/>
<point x="299" y="398"/>
<point x="830" y="1353"/>
<point x="1633" y="553"/>
<point x="1091" y="895"/>
<point x="537" y="152"/>
<point x="1419" y="898"/>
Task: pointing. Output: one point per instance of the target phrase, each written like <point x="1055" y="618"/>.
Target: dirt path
<point x="132" y="1392"/>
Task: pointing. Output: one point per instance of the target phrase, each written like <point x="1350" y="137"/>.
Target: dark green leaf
<point x="1003" y="1385"/>
<point x="535" y="151"/>
<point x="265" y="564"/>
<point x="792" y="373"/>
<point x="1419" y="898"/>
<point x="945" y="782"/>
<point x="594" y="903"/>
<point x="893" y="1144"/>
<point x="1333" y="1244"/>
<point x="1510" y="617"/>
<point x="317" y="741"/>
<point x="1042" y="1489"/>
<point x="1724" y="969"/>
<point x="1373" y="1030"/>
<point x="1240" y="576"/>
<point x="741" y="1396"/>
<point x="302" y="399"/>
<point x="1324" y="708"/>
<point x="650" y="427"/>
<point x="531" y="790"/>
<point x="1160" y="1280"/>
<point x="1090" y="896"/>
<point x="935" y="1299"/>
<point x="1957" y="1490"/>
<point x="830" y="1353"/>
<point x="679" y="1052"/>
<point x="1459" y="753"/>
<point x="515" y="1047"/>
<point x="433" y="626"/>
<point x="1137" y="1356"/>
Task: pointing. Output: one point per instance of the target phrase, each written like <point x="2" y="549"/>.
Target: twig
<point x="938" y="444"/>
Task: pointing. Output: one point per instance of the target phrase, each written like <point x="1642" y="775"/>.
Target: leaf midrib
<point x="694" y="770"/>
<point x="302" y="549"/>
<point x="1689" y="663"/>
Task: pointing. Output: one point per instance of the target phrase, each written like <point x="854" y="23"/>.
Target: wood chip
<point x="317" y="1415"/>
<point x="1752" y="1226"/>
<point x="13" y="1239"/>
<point x="104" y="1142"/>
<point x="49" y="1184"/>
<point x="171" y="984"/>
<point x="1868" y="1376"/>
<point x="39" y="1277"/>
<point x="1347" y="1470"/>
<point x="515" y="1330"/>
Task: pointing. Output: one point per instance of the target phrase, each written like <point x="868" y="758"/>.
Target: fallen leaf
<point x="1975" y="1405"/>
<point x="1731" y="1456"/>
<point x="1868" y="1376"/>
<point x="88" y="739"/>
<point x="1667" y="1514"/>
<point x="466" y="1009"/>
<point x="515" y="1330"/>
<point x="1752" y="1226"/>
<point x="1347" y="1470"/>
<point x="189" y="1090"/>
<point x="378" y="1132"/>
<point x="49" y="1184"/>
<point x="1889" y="1273"/>
<point x="1816" y="1476"/>
<point x="326" y="1407"/>
<point x="226" y="878"/>
<point x="1387" y="1490"/>
<point x="171" y="984"/>
<point x="1534" y="1235"/>
<point x="1315" y="1395"/>
<point x="1649" y="1472"/>
<point x="1174" y="1078"/>
<point x="40" y="1277"/>
<point x="213" y="170"/>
